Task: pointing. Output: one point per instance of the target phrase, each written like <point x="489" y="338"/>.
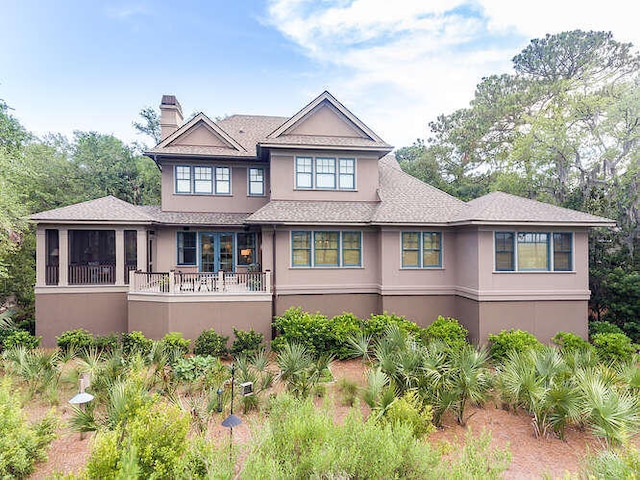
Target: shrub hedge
<point x="505" y="341"/>
<point x="211" y="343"/>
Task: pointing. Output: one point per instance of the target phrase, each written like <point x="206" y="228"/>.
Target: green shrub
<point x="343" y="327"/>
<point x="603" y="327"/>
<point x="615" y="347"/>
<point x="174" y="340"/>
<point x="193" y="368"/>
<point x="107" y="343"/>
<point x="447" y="330"/>
<point x="349" y="391"/>
<point x="409" y="410"/>
<point x="570" y="342"/>
<point x="505" y="341"/>
<point x="21" y="338"/>
<point x="77" y="339"/>
<point x="157" y="433"/>
<point x="211" y="343"/>
<point x="246" y="342"/>
<point x="21" y="445"/>
<point x="136" y="342"/>
<point x="376" y="325"/>
<point x="613" y="463"/>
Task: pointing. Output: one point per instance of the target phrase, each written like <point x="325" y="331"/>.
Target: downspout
<point x="273" y="281"/>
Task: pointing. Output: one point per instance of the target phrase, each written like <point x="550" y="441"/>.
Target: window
<point x="256" y="181"/>
<point x="421" y="249"/>
<point x="186" y="248"/>
<point x="347" y="174"/>
<point x="326" y="249"/>
<point x="202" y="180"/>
<point x="246" y="246"/>
<point x="562" y="252"/>
<point x="325" y="173"/>
<point x="199" y="180"/>
<point x="130" y="253"/>
<point x="183" y="179"/>
<point x="531" y="251"/>
<point x="223" y="180"/>
<point x="504" y="251"/>
<point x="304" y="172"/>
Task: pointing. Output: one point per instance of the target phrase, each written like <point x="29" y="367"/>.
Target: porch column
<point x="41" y="257"/>
<point x="119" y="256"/>
<point x="63" y="236"/>
<point x="141" y="244"/>
<point x="267" y="247"/>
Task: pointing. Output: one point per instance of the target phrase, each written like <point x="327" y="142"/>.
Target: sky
<point x="92" y="65"/>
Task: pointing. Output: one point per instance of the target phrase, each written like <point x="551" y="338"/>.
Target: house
<point x="262" y="213"/>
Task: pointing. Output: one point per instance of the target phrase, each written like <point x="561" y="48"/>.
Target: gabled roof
<point x="285" y="134"/>
<point x="107" y="209"/>
<point x="303" y="212"/>
<point x="503" y="208"/>
<point x="230" y="147"/>
<point x="194" y="218"/>
<point x="405" y="200"/>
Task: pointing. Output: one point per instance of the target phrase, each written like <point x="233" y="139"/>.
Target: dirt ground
<point x="531" y="457"/>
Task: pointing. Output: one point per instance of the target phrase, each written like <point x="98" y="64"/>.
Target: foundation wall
<point x="360" y="304"/>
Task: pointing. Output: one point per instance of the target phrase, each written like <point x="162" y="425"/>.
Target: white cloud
<point x="401" y="63"/>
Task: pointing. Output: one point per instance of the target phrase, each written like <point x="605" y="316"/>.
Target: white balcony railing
<point x="200" y="283"/>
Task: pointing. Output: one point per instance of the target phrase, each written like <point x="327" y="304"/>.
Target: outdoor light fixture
<point x="231" y="421"/>
<point x="82" y="397"/>
<point x="247" y="389"/>
<point x="219" y="392"/>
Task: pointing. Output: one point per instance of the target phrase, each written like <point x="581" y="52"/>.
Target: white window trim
<point x="192" y="180"/>
<point x="264" y="189"/>
<point x="313" y="173"/>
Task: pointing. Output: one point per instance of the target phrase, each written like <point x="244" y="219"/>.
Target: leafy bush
<point x="174" y="340"/>
<point x="21" y="445"/>
<point x="21" y="338"/>
<point x="616" y="463"/>
<point x="615" y="347"/>
<point x="409" y="410"/>
<point x="377" y="324"/>
<point x="211" y="343"/>
<point x="569" y="342"/>
<point x="77" y="339"/>
<point x="136" y="342"/>
<point x="108" y="343"/>
<point x="246" y="342"/>
<point x="193" y="368"/>
<point x="603" y="327"/>
<point x="506" y="341"/>
<point x="447" y="330"/>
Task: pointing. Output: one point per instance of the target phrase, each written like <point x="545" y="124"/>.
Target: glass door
<point x="216" y="252"/>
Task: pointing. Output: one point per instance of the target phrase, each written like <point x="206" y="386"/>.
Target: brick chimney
<point x="170" y="115"/>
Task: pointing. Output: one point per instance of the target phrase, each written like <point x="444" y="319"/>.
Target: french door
<point x="216" y="252"/>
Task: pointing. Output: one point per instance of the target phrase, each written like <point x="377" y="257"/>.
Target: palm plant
<point x="470" y="379"/>
<point x="359" y="345"/>
<point x="299" y="369"/>
<point x="379" y="392"/>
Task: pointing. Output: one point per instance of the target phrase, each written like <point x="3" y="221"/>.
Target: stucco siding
<point x="421" y="309"/>
<point x="97" y="311"/>
<point x="361" y="305"/>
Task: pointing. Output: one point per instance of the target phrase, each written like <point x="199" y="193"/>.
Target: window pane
<point x="304" y="172"/>
<point x="202" y="177"/>
<point x="351" y="249"/>
<point x="504" y="251"/>
<point x="223" y="180"/>
<point x="186" y="248"/>
<point x="183" y="179"/>
<point x="533" y="251"/>
<point x="326" y="173"/>
<point x="410" y="249"/>
<point x="301" y="246"/>
<point x="347" y="174"/>
<point x="246" y="248"/>
<point x="256" y="181"/>
<point x="326" y="248"/>
<point x="562" y="252"/>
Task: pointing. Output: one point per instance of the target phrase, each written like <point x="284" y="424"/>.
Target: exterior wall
<point x="155" y="316"/>
<point x="99" y="309"/>
<point x="402" y="281"/>
<point x="468" y="314"/>
<point x="360" y="304"/>
<point x="327" y="280"/>
<point x="238" y="202"/>
<point x="465" y="259"/>
<point x="421" y="309"/>
<point x="283" y="175"/>
<point x="325" y="121"/>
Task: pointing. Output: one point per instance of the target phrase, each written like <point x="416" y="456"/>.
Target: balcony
<point x="204" y="283"/>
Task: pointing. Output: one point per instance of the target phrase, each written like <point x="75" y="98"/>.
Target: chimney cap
<point x="170" y="100"/>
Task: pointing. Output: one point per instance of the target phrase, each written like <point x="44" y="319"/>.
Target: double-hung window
<point x="421" y="249"/>
<point x="325" y="173"/>
<point x="533" y="251"/>
<point x="186" y="248"/>
<point x="326" y="249"/>
<point x="256" y="181"/>
<point x="223" y="180"/>
<point x="202" y="180"/>
<point x="183" y="179"/>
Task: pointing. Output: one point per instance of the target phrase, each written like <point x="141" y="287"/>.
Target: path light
<point x="82" y="398"/>
<point x="232" y="420"/>
<point x="219" y="393"/>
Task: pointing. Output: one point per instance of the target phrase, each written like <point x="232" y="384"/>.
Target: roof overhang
<point x="532" y="223"/>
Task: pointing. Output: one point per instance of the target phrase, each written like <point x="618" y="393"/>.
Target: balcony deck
<point x="220" y="283"/>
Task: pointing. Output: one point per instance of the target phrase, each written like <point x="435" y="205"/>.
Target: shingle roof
<point x="249" y="130"/>
<point x="502" y="207"/>
<point x="105" y="209"/>
<point x="317" y="140"/>
<point x="314" y="212"/>
<point x="194" y="218"/>
<point x="407" y="200"/>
